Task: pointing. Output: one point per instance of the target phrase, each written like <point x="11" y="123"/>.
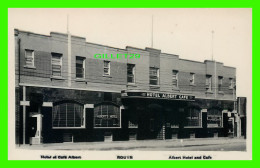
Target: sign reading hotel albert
<point x="157" y="95"/>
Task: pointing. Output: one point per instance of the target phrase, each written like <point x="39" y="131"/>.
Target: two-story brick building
<point x="68" y="89"/>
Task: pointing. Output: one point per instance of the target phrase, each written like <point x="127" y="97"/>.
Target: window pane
<point x="130" y="73"/>
<point x="68" y="115"/>
<point x="153" y="82"/>
<point x="154" y="76"/>
<point x="193" y="117"/>
<point x="106" y="71"/>
<point x="106" y="64"/>
<point x="29" y="57"/>
<point x="214" y="118"/>
<point x="106" y="116"/>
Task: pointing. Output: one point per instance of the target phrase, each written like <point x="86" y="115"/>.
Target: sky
<point x="180" y="31"/>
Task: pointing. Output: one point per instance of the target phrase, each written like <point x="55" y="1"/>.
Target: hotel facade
<point x="71" y="90"/>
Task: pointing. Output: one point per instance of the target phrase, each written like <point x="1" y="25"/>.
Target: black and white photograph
<point x="130" y="83"/>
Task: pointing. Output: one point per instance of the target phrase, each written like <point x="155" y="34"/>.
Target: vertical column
<point x="69" y="55"/>
<point x="24" y="114"/>
<point x="89" y="121"/>
<point x="24" y="103"/>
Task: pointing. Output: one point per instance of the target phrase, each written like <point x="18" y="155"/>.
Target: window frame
<point x="209" y="83"/>
<point x="133" y="70"/>
<point x="120" y="116"/>
<point x="33" y="58"/>
<point x="192" y="78"/>
<point x="83" y="66"/>
<point x="61" y="60"/>
<point x="231" y="83"/>
<point x="176" y="78"/>
<point x="83" y="114"/>
<point x="220" y="83"/>
<point x="108" y="74"/>
<point x="200" y="118"/>
<point x="157" y="76"/>
<point x="221" y="122"/>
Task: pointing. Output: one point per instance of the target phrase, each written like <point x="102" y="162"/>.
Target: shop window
<point x="193" y="118"/>
<point x="175" y="78"/>
<point x="192" y="78"/>
<point x="68" y="115"/>
<point x="154" y="76"/>
<point x="56" y="64"/>
<point x="209" y="83"/>
<point x="220" y="83"/>
<point x="29" y="58"/>
<point x="106" y="68"/>
<point x="214" y="118"/>
<point x="80" y="67"/>
<point x="106" y="115"/>
<point x="130" y="73"/>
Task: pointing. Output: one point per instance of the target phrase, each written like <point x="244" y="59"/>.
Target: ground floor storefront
<point x="54" y="115"/>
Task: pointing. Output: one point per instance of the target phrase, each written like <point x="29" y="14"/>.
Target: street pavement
<point x="198" y="144"/>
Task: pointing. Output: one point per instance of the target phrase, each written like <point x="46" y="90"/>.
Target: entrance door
<point x="35" y="129"/>
<point x="150" y="126"/>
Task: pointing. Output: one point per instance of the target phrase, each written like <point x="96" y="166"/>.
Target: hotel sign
<point x="158" y="95"/>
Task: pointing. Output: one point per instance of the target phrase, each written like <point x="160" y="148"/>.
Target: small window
<point x="56" y="63"/>
<point x="132" y="125"/>
<point x="192" y="78"/>
<point x="220" y="82"/>
<point x="130" y="73"/>
<point x="175" y="78"/>
<point x="232" y="83"/>
<point x="80" y="67"/>
<point x="154" y="76"/>
<point x="107" y="68"/>
<point x="209" y="83"/>
<point x="29" y="58"/>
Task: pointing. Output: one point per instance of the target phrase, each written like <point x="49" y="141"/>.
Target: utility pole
<point x="69" y="53"/>
<point x="215" y="64"/>
<point x="152" y="34"/>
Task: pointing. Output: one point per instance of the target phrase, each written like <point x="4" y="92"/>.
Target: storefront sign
<point x="158" y="95"/>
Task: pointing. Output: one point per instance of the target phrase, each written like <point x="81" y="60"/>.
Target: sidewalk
<point x="171" y="144"/>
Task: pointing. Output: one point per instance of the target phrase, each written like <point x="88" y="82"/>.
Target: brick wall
<point x="43" y="46"/>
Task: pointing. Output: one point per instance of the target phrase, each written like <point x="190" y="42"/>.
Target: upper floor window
<point x="232" y="83"/>
<point x="130" y="73"/>
<point x="192" y="78"/>
<point x="56" y="64"/>
<point x="209" y="82"/>
<point x="107" y="68"/>
<point x="175" y="78"/>
<point x="80" y="67"/>
<point x="154" y="76"/>
<point x="220" y="83"/>
<point x="29" y="58"/>
<point x="66" y="115"/>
